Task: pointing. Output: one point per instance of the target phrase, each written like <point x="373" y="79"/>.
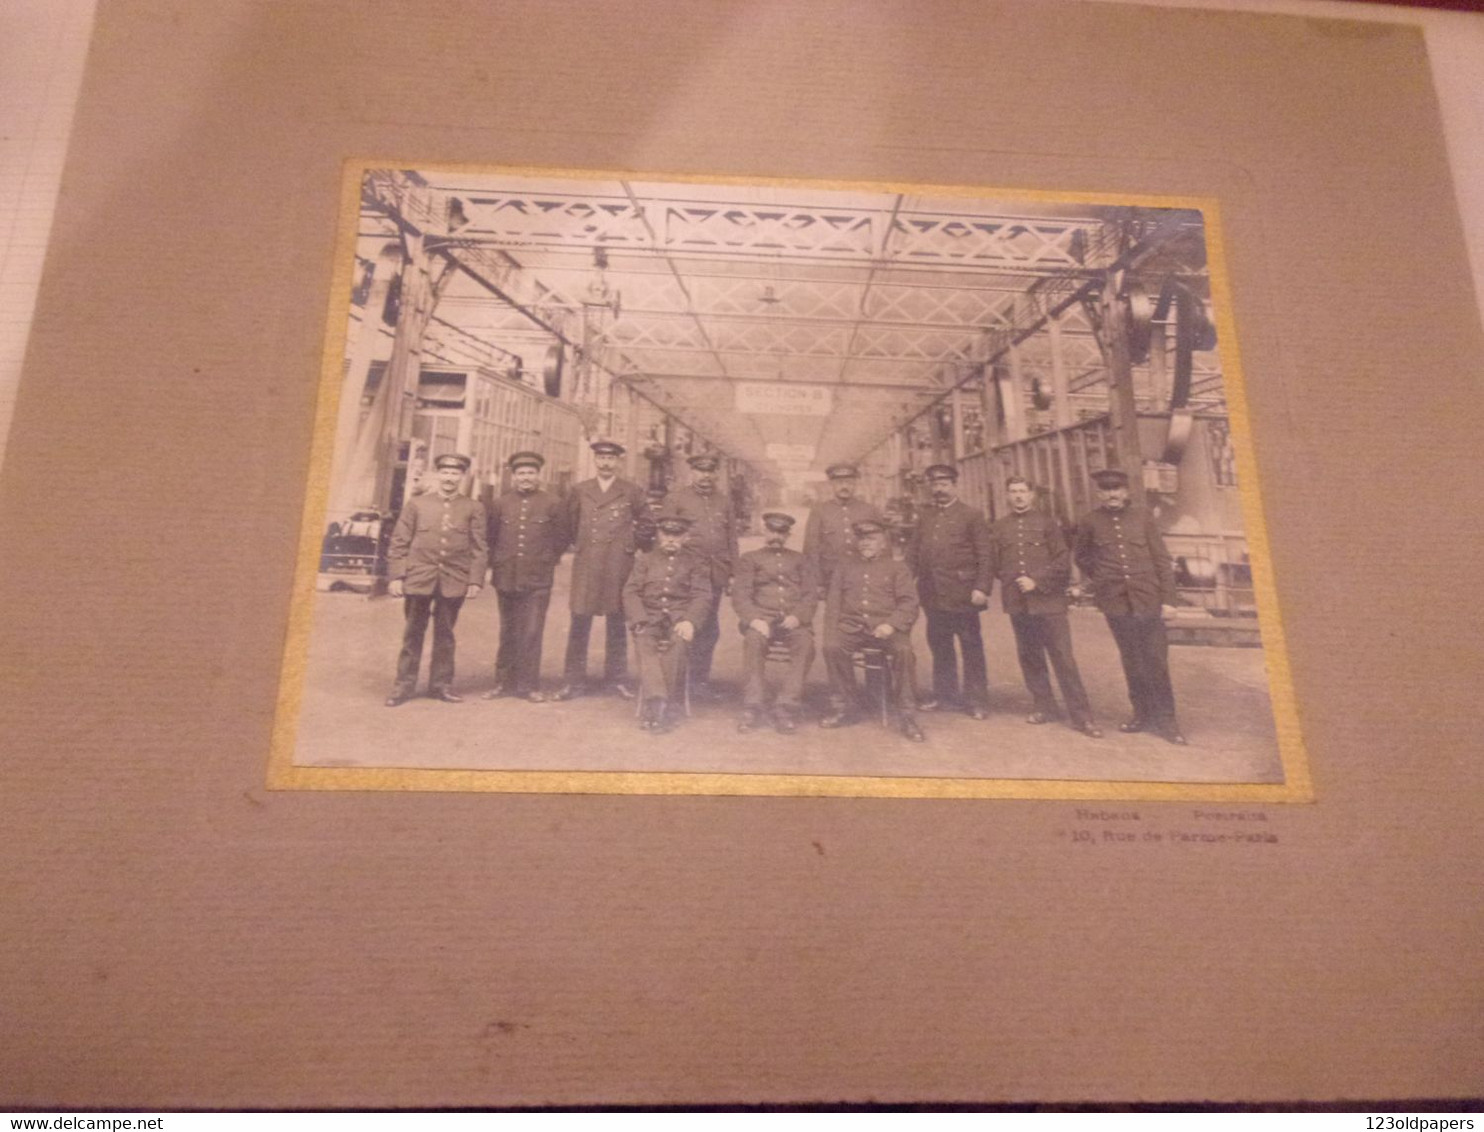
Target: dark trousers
<point x="522" y="623"/>
<point x="615" y="652"/>
<point x="445" y="613"/>
<point x="943" y="629"/>
<point x="1039" y="636"/>
<point x="708" y="632"/>
<point x="800" y="644"/>
<point x="661" y="657"/>
<point x="840" y="644"/>
<point x="1145" y="651"/>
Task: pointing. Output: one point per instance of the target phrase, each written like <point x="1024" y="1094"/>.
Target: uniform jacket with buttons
<point x="1122" y="553"/>
<point x="713" y="531"/>
<point x="827" y="534"/>
<point x="600" y="524"/>
<point x="773" y="583"/>
<point x="950" y="554"/>
<point x="526" y="537"/>
<point x="863" y="595"/>
<point x="676" y="586"/>
<point x="1031" y="544"/>
<point x="438" y="545"/>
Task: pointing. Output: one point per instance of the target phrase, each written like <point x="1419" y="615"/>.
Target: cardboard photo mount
<point x="178" y="936"/>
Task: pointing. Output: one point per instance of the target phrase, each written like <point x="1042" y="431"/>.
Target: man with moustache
<point x="525" y="540"/>
<point x="828" y="533"/>
<point x="667" y="595"/>
<point x="712" y="538"/>
<point x="871" y="601"/>
<point x="599" y="519"/>
<point x="1120" y="550"/>
<point x="950" y="555"/>
<point x="1034" y="566"/>
<point x="436" y="559"/>
<point x="774" y="593"/>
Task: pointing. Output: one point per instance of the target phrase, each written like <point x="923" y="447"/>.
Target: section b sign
<point x="784" y="398"/>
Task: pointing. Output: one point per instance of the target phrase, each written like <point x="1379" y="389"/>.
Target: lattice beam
<point x="796" y="346"/>
<point x="885" y="234"/>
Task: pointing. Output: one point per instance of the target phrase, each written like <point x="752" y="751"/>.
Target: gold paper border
<point x="284" y="775"/>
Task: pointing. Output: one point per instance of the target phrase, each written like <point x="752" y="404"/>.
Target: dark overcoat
<point x="1031" y="544"/>
<point x="772" y="583"/>
<point x="674" y="586"/>
<point x="1123" y="554"/>
<point x="600" y="525"/>
<point x="951" y="556"/>
<point x="527" y="535"/>
<point x="864" y="594"/>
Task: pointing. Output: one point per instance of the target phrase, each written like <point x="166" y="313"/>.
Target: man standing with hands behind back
<point x="1120" y="550"/>
<point x="950" y="555"/>
<point x="525" y="540"/>
<point x="1034" y="567"/>
<point x="436" y="558"/>
<point x="829" y="533"/>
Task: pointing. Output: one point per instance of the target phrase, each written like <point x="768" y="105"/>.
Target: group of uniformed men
<point x="669" y="594"/>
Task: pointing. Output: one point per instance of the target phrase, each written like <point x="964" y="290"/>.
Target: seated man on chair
<point x="774" y="592"/>
<point x="871" y="602"/>
<point x="668" y="593"/>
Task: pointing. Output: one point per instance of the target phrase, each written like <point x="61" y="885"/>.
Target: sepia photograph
<point x="682" y="485"/>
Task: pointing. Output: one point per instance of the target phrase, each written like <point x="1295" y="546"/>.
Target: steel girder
<point x="626" y="219"/>
<point x="882" y="297"/>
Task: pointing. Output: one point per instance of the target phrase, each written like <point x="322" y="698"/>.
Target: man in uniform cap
<point x="713" y="539"/>
<point x="525" y="540"/>
<point x="665" y="598"/>
<point x="436" y="558"/>
<point x="827" y="534"/>
<point x="871" y="600"/>
<point x="599" y="518"/>
<point x="950" y="554"/>
<point x="1119" y="549"/>
<point x="1034" y="566"/>
<point x="774" y="593"/>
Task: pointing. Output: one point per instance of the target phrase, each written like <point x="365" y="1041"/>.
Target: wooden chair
<point x="877" y="671"/>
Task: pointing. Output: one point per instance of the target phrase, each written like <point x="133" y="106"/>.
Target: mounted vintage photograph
<point x="637" y="485"/>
